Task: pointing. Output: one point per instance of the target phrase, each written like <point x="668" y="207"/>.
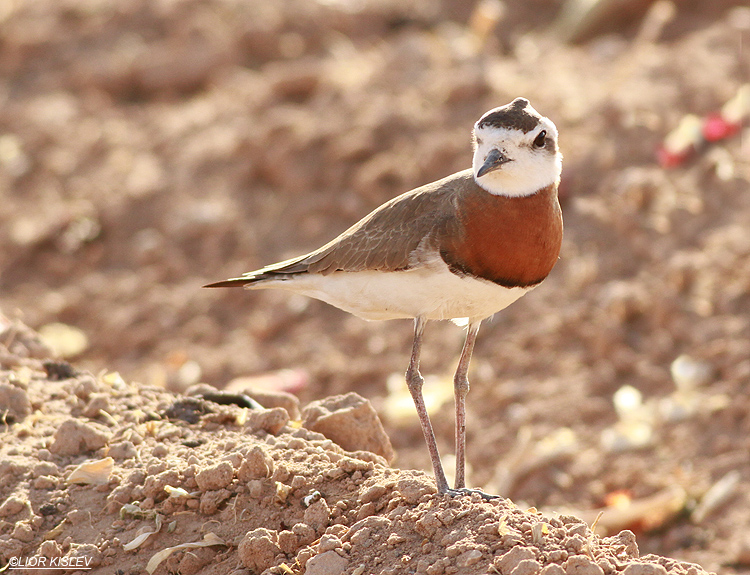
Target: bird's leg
<point x="461" y="389"/>
<point x="414" y="381"/>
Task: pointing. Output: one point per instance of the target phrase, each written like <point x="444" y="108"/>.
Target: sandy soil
<point x="121" y="477"/>
<point x="148" y="148"/>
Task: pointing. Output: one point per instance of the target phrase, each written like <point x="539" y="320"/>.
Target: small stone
<point x="299" y="482"/>
<point x="351" y="421"/>
<point x="365" y="510"/>
<point x="280" y="473"/>
<point x="257" y="464"/>
<point x="154" y="485"/>
<point x="12" y="505"/>
<point x="557" y="555"/>
<point x="258" y="549"/>
<point x="582" y="565"/>
<point x="574" y="543"/>
<point x="689" y="374"/>
<point x="267" y="398"/>
<point x="15" y="403"/>
<point x="210" y="500"/>
<point x="288" y="542"/>
<point x="270" y="420"/>
<point x="304" y="555"/>
<point x="472" y="557"/>
<point x="45" y="482"/>
<point x="215" y="477"/>
<point x="89" y="552"/>
<point x="644" y="569"/>
<point x="78" y="516"/>
<point x="255" y="488"/>
<point x="510" y="560"/>
<point x="527" y="567"/>
<point x="329" y="543"/>
<point x="194" y="562"/>
<point x="328" y="563"/>
<point x="304" y="533"/>
<point x="122" y="450"/>
<point x="97" y="402"/>
<point x="50" y="548"/>
<point x="84" y="387"/>
<point x="318" y="515"/>
<point x="373" y="493"/>
<point x="160" y="450"/>
<point x="394" y="539"/>
<point x="428" y="524"/>
<point x="412" y="489"/>
<point x="74" y="437"/>
<point x="623" y="543"/>
<point x="23" y="532"/>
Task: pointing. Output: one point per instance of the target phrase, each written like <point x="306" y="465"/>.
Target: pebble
<point x="75" y="437"/>
<point x="351" y="421"/>
<point x="644" y="569"/>
<point x="510" y="560"/>
<point x="412" y="489"/>
<point x="472" y="557"/>
<point x="23" y="532"/>
<point x="553" y="569"/>
<point x="215" y="477"/>
<point x="329" y="543"/>
<point x="328" y="563"/>
<point x="288" y="542"/>
<point x="14" y="504"/>
<point x="318" y="515"/>
<point x="15" y="402"/>
<point x="257" y="464"/>
<point x="258" y="549"/>
<point x="373" y="493"/>
<point x="582" y="565"/>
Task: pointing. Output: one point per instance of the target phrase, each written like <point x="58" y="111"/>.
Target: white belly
<point x="432" y="292"/>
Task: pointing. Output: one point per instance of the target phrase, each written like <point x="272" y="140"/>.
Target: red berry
<point x="716" y="128"/>
<point x="669" y="159"/>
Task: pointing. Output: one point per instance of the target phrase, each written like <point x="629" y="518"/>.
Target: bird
<point x="461" y="248"/>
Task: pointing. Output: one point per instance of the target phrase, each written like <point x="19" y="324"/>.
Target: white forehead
<point x="493" y="134"/>
<point x="531" y="168"/>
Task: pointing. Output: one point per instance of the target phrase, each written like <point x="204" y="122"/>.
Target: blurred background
<point x="149" y="147"/>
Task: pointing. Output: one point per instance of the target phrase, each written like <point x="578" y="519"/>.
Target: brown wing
<point x="397" y="236"/>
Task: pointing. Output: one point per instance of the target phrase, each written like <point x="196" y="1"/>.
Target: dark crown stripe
<point x="514" y="116"/>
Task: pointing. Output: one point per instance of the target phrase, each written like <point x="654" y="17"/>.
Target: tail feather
<point x="255" y="277"/>
<point x="280" y="270"/>
<point x="234" y="282"/>
<point x="247" y="279"/>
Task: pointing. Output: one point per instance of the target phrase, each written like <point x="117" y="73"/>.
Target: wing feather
<point x="401" y="234"/>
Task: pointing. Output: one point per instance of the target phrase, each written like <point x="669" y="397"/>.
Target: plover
<point x="461" y="248"/>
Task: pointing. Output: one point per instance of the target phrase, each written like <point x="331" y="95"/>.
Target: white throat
<point x="529" y="169"/>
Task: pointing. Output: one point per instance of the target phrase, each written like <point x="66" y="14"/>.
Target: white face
<point x="529" y="166"/>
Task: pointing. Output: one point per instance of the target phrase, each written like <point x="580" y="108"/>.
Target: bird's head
<point x="515" y="150"/>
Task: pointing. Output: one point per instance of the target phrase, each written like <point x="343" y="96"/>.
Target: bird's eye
<point x="540" y="139"/>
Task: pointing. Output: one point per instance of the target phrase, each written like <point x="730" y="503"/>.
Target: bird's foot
<point x="465" y="491"/>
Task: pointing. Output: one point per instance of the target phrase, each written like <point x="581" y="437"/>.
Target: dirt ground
<point x="147" y="148"/>
<point x="113" y="477"/>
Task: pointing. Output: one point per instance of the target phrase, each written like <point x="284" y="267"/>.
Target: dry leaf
<point x="209" y="539"/>
<point x="92" y="472"/>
